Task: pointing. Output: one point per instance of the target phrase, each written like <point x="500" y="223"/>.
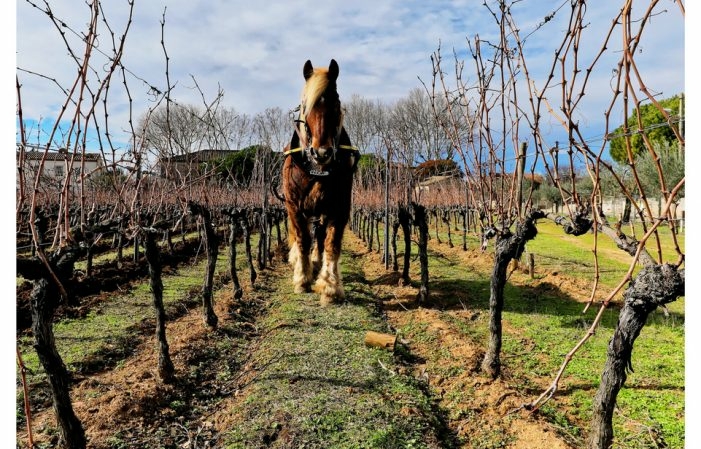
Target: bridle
<point x="309" y="165"/>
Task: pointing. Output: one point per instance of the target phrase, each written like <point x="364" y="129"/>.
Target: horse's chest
<point x="319" y="198"/>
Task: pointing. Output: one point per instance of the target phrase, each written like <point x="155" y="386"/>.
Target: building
<point x="191" y="164"/>
<point x="58" y="164"/>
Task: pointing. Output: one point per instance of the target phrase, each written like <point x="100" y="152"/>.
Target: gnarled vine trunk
<point x="245" y="227"/>
<point x="212" y="248"/>
<point x="44" y="300"/>
<point x="421" y="223"/>
<point x="237" y="290"/>
<point x="166" y="370"/>
<point x="404" y="218"/>
<point x="655" y="285"/>
<point x="508" y="247"/>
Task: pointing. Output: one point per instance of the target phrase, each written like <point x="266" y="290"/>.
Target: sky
<point x="254" y="52"/>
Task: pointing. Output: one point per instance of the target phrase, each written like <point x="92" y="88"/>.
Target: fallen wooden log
<point x="379" y="340"/>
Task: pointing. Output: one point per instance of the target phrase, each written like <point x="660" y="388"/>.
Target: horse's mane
<point x="315" y="86"/>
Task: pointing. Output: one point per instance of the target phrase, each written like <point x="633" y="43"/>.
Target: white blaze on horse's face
<point x="322" y="113"/>
<point x="320" y="141"/>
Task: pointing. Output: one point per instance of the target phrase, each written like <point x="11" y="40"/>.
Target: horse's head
<point x="321" y="117"/>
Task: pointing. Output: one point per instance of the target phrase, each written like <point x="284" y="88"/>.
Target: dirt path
<point x="283" y="372"/>
<point x="279" y="372"/>
<point x="480" y="410"/>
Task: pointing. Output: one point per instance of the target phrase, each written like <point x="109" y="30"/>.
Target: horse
<point x="317" y="178"/>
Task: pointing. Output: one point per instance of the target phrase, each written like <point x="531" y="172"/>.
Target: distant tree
<point x="238" y="166"/>
<point x="414" y="123"/>
<point x="273" y="128"/>
<point x="364" y="121"/>
<point x="546" y="194"/>
<point x="371" y="170"/>
<point x="437" y="167"/>
<point x="671" y="160"/>
<point x="182" y="129"/>
<point x="107" y="179"/>
<point x="654" y="125"/>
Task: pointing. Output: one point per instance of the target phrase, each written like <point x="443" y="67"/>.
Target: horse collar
<point x="305" y="160"/>
<point x="312" y="168"/>
<point x="318" y="172"/>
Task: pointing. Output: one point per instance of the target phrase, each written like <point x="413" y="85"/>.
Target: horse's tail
<point x="273" y="188"/>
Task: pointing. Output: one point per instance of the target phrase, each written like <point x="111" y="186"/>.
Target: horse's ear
<point x="333" y="70"/>
<point x="308" y="69"/>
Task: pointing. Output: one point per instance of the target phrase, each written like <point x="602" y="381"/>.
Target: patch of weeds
<point x="459" y="391"/>
<point x="224" y="376"/>
<point x="460" y="413"/>
<point x="178" y="406"/>
<point x="20" y="416"/>
<point x="326" y="425"/>
<point x="474" y="331"/>
<point x="561" y="422"/>
<point x="643" y="435"/>
<point x="391" y="437"/>
<point x="418" y="331"/>
<point x="118" y="441"/>
<point x="492" y="439"/>
<point x="652" y="412"/>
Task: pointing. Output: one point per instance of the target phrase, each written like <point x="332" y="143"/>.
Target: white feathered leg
<point x="302" y="269"/>
<point x="328" y="284"/>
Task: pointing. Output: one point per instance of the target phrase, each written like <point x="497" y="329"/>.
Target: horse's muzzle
<point x="321" y="155"/>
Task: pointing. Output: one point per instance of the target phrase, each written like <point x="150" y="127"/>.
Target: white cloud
<point x="255" y="51"/>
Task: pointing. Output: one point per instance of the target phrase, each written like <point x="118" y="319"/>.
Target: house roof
<point x="199" y="156"/>
<point x="56" y="156"/>
<point x="527" y="176"/>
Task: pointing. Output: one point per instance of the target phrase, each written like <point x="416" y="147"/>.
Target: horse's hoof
<point x="302" y="288"/>
<point x="326" y="300"/>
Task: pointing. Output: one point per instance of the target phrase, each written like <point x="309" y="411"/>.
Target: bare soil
<point x="493" y="405"/>
<point x="126" y="405"/>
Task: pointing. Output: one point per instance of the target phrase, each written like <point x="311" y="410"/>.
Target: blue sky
<point x="254" y="51"/>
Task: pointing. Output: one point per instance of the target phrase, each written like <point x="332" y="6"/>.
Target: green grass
<point x="110" y="256"/>
<point x="554" y="250"/>
<point x="315" y="381"/>
<point x="128" y="251"/>
<point x="319" y="386"/>
<point x="109" y="330"/>
<point x="314" y="384"/>
<point x="543" y="324"/>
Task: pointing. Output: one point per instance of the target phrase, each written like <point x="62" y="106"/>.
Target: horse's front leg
<point x="328" y="283"/>
<point x="300" y="245"/>
<point x="318" y="238"/>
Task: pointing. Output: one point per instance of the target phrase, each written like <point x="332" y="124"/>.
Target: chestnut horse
<point x="317" y="179"/>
